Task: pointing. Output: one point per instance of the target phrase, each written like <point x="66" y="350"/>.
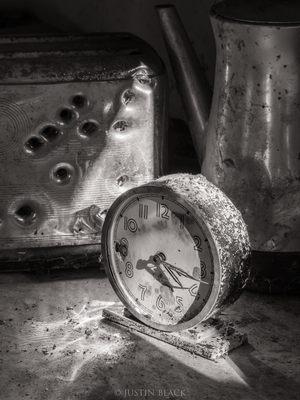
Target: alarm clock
<point x="176" y="251"/>
<point x="82" y="120"/>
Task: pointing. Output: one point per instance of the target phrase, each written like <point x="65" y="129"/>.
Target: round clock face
<point x="160" y="260"/>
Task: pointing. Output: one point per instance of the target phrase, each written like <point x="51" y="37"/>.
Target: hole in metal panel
<point x="34" y="144"/>
<point x="50" y="133"/>
<point x="62" y="173"/>
<point x="88" y="128"/>
<point x="67" y="115"/>
<point x="79" y="101"/>
<point x="25" y="215"/>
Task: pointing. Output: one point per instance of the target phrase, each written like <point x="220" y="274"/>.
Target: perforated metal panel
<point x="77" y="128"/>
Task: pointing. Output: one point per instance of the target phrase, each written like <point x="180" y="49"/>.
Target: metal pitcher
<point x="249" y="141"/>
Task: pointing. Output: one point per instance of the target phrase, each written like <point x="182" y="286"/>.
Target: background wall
<point x="135" y="16"/>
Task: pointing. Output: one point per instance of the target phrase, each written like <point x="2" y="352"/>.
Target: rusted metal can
<point x="82" y="119"/>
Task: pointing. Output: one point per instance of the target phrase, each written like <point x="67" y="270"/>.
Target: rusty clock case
<point x="82" y="119"/>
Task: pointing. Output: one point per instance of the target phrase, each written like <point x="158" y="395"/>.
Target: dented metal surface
<point x="69" y="148"/>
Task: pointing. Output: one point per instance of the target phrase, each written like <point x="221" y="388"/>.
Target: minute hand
<point x="171" y="268"/>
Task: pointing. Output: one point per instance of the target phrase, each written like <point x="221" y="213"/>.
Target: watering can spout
<point x="191" y="84"/>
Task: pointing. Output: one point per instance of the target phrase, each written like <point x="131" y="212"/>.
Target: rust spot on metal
<point x="240" y="44"/>
<point x="122" y="180"/>
<point x="128" y="96"/>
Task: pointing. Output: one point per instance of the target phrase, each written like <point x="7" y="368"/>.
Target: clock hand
<point x="166" y="280"/>
<point x="162" y="269"/>
<point x="160" y="260"/>
<point x="179" y="271"/>
<point x="172" y="274"/>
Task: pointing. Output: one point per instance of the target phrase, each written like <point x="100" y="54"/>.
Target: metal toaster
<point x="82" y="119"/>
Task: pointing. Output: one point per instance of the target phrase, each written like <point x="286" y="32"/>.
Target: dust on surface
<point x="55" y="346"/>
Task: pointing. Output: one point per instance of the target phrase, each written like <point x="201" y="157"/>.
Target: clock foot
<point x="211" y="339"/>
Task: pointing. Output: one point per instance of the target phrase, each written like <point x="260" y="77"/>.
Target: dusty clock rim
<point x="130" y="305"/>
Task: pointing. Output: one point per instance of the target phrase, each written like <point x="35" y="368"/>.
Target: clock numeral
<point x="193" y="290"/>
<point x="179" y="301"/>
<point x="130" y="224"/>
<point x="143" y="291"/>
<point x="122" y="247"/>
<point x="143" y="211"/>
<point x="198" y="243"/>
<point x="203" y="270"/>
<point x="162" y="211"/>
<point x="129" y="269"/>
<point x="160" y="304"/>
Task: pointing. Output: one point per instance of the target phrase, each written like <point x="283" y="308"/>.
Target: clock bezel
<point x="107" y="230"/>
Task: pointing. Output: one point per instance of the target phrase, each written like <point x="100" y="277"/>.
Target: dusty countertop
<point x="56" y="346"/>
